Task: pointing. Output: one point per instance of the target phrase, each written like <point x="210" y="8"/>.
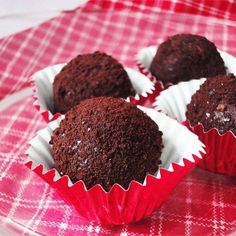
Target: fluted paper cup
<point x="220" y="149"/>
<point x="120" y="206"/>
<point x="43" y="89"/>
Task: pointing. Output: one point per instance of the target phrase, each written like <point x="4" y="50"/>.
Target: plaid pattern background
<point x="202" y="204"/>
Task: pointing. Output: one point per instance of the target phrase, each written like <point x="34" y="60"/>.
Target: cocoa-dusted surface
<point x="87" y="76"/>
<point x="183" y="57"/>
<point x="106" y="141"/>
<point x="214" y="104"/>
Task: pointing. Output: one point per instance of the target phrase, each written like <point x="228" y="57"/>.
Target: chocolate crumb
<point x="87" y="76"/>
<point x="221" y="107"/>
<point x="219" y="110"/>
<point x="183" y="57"/>
<point x="122" y="144"/>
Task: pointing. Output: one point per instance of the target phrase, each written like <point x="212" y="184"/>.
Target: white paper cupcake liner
<point x="144" y="60"/>
<point x="43" y="88"/>
<point x="120" y="206"/>
<point x="173" y="101"/>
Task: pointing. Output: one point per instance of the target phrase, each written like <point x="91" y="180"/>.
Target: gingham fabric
<point x="202" y="204"/>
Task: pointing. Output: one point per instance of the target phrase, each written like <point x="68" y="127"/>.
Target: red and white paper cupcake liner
<point x="220" y="149"/>
<point x="144" y="59"/>
<point x="43" y="88"/>
<point x="147" y="99"/>
<point x="145" y="56"/>
<point x="120" y="206"/>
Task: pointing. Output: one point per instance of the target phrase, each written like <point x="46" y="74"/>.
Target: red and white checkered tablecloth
<point x="202" y="204"/>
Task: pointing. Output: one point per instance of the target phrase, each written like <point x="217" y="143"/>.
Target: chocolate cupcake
<point x="105" y="141"/>
<point x="184" y="57"/>
<point x="87" y="76"/>
<point x="214" y="104"/>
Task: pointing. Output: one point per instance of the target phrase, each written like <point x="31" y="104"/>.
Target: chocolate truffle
<point x="214" y="104"/>
<point x="106" y="140"/>
<point x="184" y="57"/>
<point x="87" y="76"/>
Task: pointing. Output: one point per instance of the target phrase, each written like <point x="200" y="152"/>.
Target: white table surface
<point x="18" y="15"/>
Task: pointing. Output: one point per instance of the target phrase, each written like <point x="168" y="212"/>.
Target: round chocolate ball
<point x="214" y="104"/>
<point x="104" y="141"/>
<point x="87" y="76"/>
<point x="184" y="57"/>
